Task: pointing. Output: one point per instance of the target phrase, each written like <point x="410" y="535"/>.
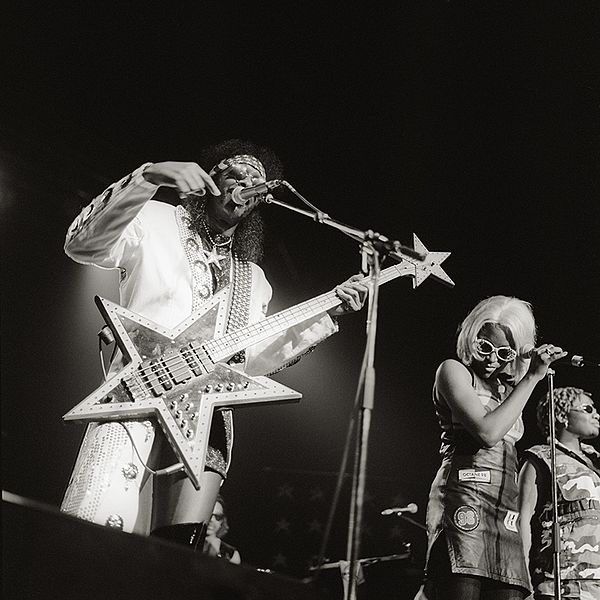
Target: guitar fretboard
<point x="222" y="348"/>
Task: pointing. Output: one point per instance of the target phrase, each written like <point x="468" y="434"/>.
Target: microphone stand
<point x="554" y="487"/>
<point x="370" y="256"/>
<point x="412" y="522"/>
<point x="372" y="244"/>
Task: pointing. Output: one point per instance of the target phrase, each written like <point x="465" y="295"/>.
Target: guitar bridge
<point x="172" y="369"/>
<point x="134" y="388"/>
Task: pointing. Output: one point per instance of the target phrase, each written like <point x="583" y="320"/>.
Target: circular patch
<point x="466" y="518"/>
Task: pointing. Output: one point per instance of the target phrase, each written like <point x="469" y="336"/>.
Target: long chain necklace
<point x="220" y="249"/>
<point x="216" y="244"/>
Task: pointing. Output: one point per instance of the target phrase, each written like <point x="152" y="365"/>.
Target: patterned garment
<point x="166" y="272"/>
<point x="473" y="500"/>
<point x="578" y="479"/>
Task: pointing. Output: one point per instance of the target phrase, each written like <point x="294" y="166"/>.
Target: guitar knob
<point x="184" y="397"/>
<point x="219" y="387"/>
<point x="183" y="424"/>
<point x="189" y="434"/>
<point x="188" y="406"/>
<point x="208" y="388"/>
<point x="172" y="405"/>
<point x="178" y="414"/>
<point x="230" y="386"/>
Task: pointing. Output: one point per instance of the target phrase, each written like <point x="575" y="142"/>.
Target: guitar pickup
<point x="192" y="362"/>
<point x="177" y="367"/>
<point x="159" y="377"/>
<point x="198" y="359"/>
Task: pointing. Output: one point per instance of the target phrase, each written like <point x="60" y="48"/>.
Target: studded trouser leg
<point x="104" y="487"/>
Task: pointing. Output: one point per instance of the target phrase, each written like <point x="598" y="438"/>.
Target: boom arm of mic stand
<point x="395" y="249"/>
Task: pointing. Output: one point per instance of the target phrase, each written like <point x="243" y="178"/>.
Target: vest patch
<point x="466" y="518"/>
<point x="510" y="520"/>
<point x="481" y="476"/>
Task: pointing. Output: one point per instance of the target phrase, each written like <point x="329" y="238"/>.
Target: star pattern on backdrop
<point x="279" y="560"/>
<point x="297" y="517"/>
<point x="397" y="532"/>
<point x="316" y="494"/>
<point x="285" y="491"/>
<point x="367" y="530"/>
<point x="282" y="525"/>
<point x="316" y="526"/>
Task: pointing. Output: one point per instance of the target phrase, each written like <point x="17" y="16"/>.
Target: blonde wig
<point x="513" y="316"/>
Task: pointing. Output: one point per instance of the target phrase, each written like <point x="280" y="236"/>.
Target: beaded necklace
<point x="221" y="241"/>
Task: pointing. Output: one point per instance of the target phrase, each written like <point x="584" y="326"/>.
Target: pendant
<point x="214" y="258"/>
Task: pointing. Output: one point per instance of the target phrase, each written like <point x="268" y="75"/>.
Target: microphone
<point x="570" y="360"/>
<point x="397" y="510"/>
<point x="240" y="195"/>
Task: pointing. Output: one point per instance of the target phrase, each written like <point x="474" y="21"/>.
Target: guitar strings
<point x="169" y="367"/>
<point x="178" y="363"/>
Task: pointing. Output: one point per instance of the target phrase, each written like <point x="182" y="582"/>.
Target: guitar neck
<point x="222" y="348"/>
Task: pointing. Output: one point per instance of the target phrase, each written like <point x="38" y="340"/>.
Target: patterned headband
<point x="240" y="159"/>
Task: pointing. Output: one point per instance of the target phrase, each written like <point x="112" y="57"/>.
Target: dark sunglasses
<point x="485" y="348"/>
<point x="587" y="408"/>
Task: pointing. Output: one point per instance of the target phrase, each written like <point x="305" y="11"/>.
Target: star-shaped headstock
<point x="429" y="266"/>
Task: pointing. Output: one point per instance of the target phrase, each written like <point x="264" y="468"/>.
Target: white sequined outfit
<point x="164" y="276"/>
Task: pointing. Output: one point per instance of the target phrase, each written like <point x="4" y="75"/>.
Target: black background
<point x="473" y="125"/>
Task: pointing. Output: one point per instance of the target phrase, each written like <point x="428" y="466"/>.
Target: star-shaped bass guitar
<point x="180" y="376"/>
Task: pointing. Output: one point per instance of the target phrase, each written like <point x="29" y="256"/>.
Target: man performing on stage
<point x="172" y="260"/>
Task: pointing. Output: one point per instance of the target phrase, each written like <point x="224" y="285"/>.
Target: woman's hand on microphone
<point x="542" y="358"/>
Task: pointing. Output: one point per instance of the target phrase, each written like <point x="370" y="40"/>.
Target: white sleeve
<point x="104" y="228"/>
<point x="281" y="350"/>
<point x="286" y="348"/>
